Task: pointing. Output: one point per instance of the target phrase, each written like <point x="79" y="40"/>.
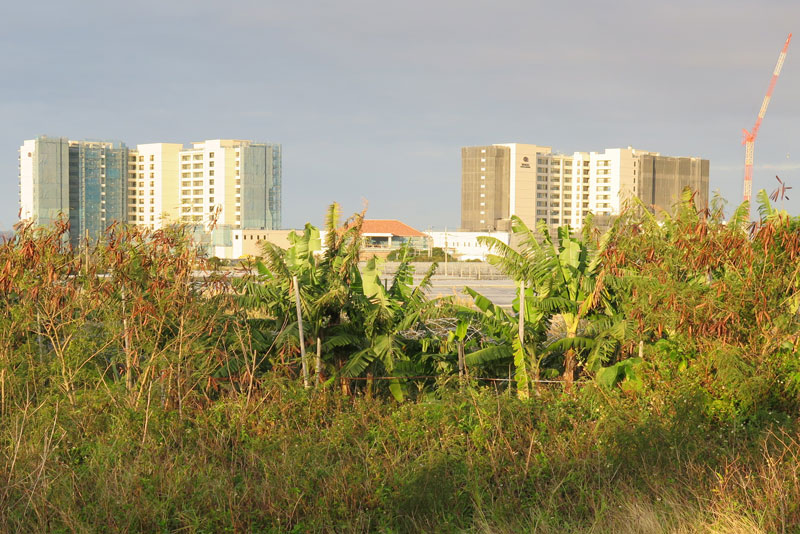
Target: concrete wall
<point x="250" y="242"/>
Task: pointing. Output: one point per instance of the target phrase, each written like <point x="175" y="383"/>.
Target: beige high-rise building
<point x="153" y="184"/>
<point x="535" y="184"/>
<point x="220" y="182"/>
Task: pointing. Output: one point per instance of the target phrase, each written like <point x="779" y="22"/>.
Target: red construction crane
<point x="750" y="137"/>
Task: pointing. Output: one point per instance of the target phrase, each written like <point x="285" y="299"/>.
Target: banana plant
<point x="383" y="315"/>
<point x="322" y="281"/>
<point x="566" y="281"/>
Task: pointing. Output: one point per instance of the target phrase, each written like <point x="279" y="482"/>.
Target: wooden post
<point x="300" y="332"/>
<point x="462" y="364"/>
<point x="522" y="331"/>
<point x="522" y="313"/>
<point x="39" y="335"/>
<point x="319" y="360"/>
<point x="126" y="343"/>
<point x="86" y="252"/>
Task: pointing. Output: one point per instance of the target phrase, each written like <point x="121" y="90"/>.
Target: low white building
<point x="464" y="245"/>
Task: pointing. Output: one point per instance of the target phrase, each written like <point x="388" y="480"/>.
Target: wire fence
<point x="429" y="377"/>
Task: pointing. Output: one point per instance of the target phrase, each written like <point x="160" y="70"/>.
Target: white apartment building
<point x="562" y="189"/>
<point x="204" y="184"/>
<point x="536" y="184"/>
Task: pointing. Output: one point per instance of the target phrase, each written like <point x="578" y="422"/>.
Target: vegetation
<point x="645" y="380"/>
<point x="414" y="255"/>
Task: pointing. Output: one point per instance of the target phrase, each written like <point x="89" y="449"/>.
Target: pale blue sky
<point x="373" y="100"/>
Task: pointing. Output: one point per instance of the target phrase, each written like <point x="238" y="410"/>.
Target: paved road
<point x="501" y="292"/>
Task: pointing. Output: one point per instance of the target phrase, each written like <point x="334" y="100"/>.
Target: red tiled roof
<point x="389" y="226"/>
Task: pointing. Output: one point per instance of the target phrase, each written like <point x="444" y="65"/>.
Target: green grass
<point x="475" y="461"/>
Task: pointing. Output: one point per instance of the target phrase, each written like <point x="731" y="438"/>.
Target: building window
<point x="210" y="154"/>
<point x="211" y="172"/>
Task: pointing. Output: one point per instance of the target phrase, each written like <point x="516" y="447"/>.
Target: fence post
<point x="300" y="331"/>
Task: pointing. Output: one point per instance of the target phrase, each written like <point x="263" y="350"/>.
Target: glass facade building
<point x="260" y="177"/>
<point x="44" y="179"/>
<point x="82" y="180"/>
<point x="97" y="188"/>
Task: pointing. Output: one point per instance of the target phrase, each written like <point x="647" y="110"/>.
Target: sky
<point x="372" y="101"/>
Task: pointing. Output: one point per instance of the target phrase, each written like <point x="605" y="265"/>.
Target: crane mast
<point x="750" y="137"/>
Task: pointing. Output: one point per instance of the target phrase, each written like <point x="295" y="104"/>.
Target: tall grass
<point x="475" y="461"/>
<point x="134" y="398"/>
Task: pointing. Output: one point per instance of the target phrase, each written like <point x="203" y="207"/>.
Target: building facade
<point x="215" y="183"/>
<point x="536" y="184"/>
<point x="44" y="179"/>
<point x="663" y="179"/>
<point x="465" y="245"/>
<point x="153" y="184"/>
<point x="84" y="181"/>
<point x="98" y="172"/>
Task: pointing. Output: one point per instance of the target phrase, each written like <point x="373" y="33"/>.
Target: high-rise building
<point x="97" y="193"/>
<point x="663" y="179"/>
<point x="44" y="179"/>
<point x="232" y="184"/>
<point x="81" y="180"/>
<point x="153" y="185"/>
<point x="536" y="184"/>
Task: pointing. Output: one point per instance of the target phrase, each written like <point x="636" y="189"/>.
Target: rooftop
<point x="389" y="227"/>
